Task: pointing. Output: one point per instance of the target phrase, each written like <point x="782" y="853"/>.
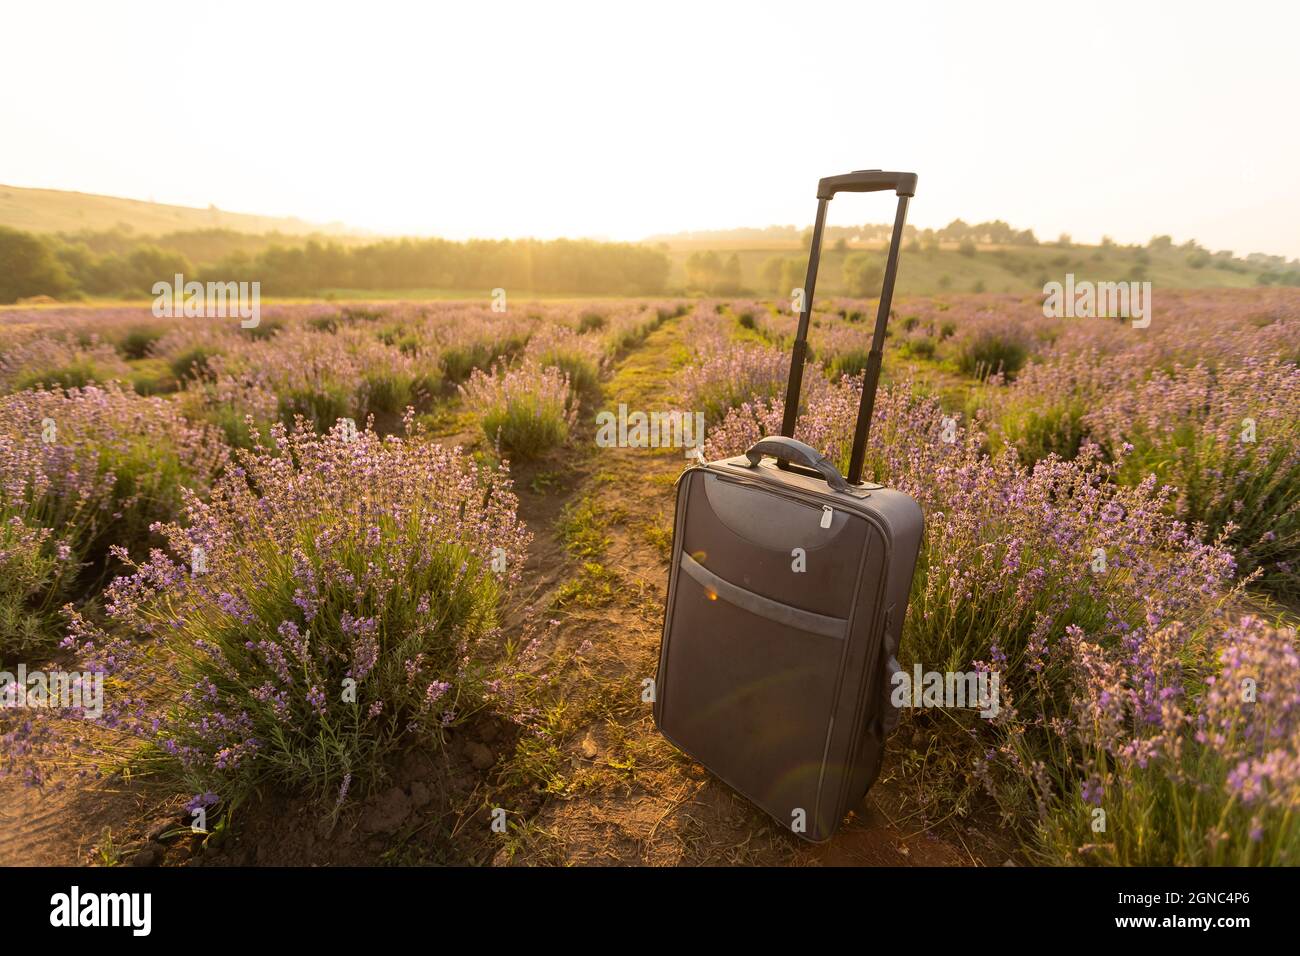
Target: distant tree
<point x="146" y="265"/>
<point x="863" y="274"/>
<point x="77" y="260"/>
<point x="966" y="248"/>
<point x="730" y="282"/>
<point x="1064" y="240"/>
<point x="841" y="245"/>
<point x="30" y="267"/>
<point x="772" y="275"/>
<point x="955" y="231"/>
<point x="794" y="274"/>
<point x="707" y="272"/>
<point x="1161" y="242"/>
<point x="703" y="270"/>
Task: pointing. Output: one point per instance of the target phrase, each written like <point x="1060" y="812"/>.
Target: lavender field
<point x="365" y="565"/>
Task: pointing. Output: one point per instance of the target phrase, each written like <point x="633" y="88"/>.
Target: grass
<point x="989" y="351"/>
<point x="108" y="852"/>
<point x="459" y="362"/>
<point x="523" y="431"/>
<point x="77" y="374"/>
<point x="580" y="528"/>
<point x="545" y="482"/>
<point x="1037" y="430"/>
<point x="151" y="376"/>
<point x="660" y="536"/>
<point x="593" y="587"/>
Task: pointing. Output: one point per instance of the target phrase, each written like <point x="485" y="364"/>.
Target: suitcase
<point x="775" y="677"/>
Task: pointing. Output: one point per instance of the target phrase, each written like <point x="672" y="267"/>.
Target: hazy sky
<point x="622" y="120"/>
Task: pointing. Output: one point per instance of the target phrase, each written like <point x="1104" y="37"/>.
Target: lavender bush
<point x="579" y="357"/>
<point x="1228" y="442"/>
<point x="336" y="594"/>
<point x="731" y="376"/>
<point x="1189" y="744"/>
<point x="79" y="471"/>
<point x="32" y="361"/>
<point x="523" y="410"/>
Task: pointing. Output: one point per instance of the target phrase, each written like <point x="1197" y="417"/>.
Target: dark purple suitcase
<point x="774" y="679"/>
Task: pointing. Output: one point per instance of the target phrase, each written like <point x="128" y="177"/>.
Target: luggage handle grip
<point x="867" y="181"/>
<point x="789" y="449"/>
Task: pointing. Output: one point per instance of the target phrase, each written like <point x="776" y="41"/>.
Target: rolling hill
<point x="58" y="210"/>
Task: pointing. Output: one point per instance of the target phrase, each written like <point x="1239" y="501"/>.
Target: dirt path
<point x="80" y="822"/>
<point x="621" y="793"/>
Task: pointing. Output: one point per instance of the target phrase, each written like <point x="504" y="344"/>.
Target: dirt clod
<point x="386" y="812"/>
<point x="150" y="855"/>
<point x="479" y="755"/>
<point x="420" y="795"/>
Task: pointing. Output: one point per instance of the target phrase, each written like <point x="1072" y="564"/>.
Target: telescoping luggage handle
<point x="861" y="181"/>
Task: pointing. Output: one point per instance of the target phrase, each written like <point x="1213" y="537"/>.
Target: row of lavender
<point x="274" y="591"/>
<point x="1206" y="398"/>
<point x="1094" y="515"/>
<point x="320" y="361"/>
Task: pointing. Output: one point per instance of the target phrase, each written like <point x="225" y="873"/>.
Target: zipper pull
<point x="827" y="514"/>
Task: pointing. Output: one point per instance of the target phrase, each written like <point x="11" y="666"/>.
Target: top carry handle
<point x="861" y="181"/>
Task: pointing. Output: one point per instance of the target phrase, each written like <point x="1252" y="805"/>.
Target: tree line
<point x="995" y="232"/>
<point x="117" y="263"/>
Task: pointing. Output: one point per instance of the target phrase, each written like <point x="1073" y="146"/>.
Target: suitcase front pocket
<point x="749" y="687"/>
<point x="756" y="604"/>
<point x="775" y="545"/>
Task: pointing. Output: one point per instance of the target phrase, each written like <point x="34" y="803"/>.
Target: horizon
<point x="575" y="138"/>
<point x="701" y="235"/>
